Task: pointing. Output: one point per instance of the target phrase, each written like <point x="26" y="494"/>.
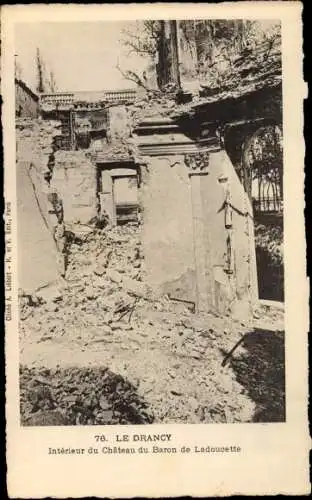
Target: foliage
<point x="211" y="46"/>
<point x="18" y="70"/>
<point x="270" y="261"/>
<point x="151" y="39"/>
<point x="52" y="82"/>
<point x="270" y="239"/>
<point x="218" y="44"/>
<point x="143" y="38"/>
<point x="262" y="167"/>
<point x="265" y="153"/>
<point x="46" y="82"/>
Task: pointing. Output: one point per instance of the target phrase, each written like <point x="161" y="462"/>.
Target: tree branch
<point x="137" y="49"/>
<point x="142" y="43"/>
<point x="132" y="77"/>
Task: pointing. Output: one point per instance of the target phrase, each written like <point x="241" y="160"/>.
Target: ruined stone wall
<point x="167" y="228"/>
<point x="118" y="124"/>
<point x="74" y="178"/>
<point x="73" y="174"/>
<point x="37" y="255"/>
<point x="169" y="237"/>
<point x="34" y="140"/>
<point x="231" y="239"/>
<point x="34" y="146"/>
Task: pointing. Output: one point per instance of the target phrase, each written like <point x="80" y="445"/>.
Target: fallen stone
<point x="118" y="239"/>
<point x="128" y="327"/>
<point x="43" y="380"/>
<point x="71" y="398"/>
<point x="142" y="334"/>
<point x="40" y="393"/>
<point x="90" y="293"/>
<point x="44" y="418"/>
<point x="50" y="292"/>
<point x="107" y="303"/>
<point x="104" y="403"/>
<point x="117" y="325"/>
<point x="136" y="288"/>
<point x="100" y="270"/>
<point x="105" y="416"/>
<point x="176" y="366"/>
<point x="114" y="276"/>
<point x="102" y="331"/>
<point x="176" y="392"/>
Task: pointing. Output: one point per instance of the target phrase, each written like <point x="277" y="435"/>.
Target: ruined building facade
<point x="177" y="176"/>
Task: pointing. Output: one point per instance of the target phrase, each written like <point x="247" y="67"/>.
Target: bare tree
<point x="208" y="51"/>
<point x="52" y="82"/>
<point x="18" y="72"/>
<point x="133" y="77"/>
<point x="40" y="72"/>
<point x="143" y="38"/>
<point x="156" y="41"/>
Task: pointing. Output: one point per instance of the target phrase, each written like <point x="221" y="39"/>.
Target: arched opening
<point x="262" y="174"/>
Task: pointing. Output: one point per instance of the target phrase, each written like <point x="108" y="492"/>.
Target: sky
<point x="83" y="55"/>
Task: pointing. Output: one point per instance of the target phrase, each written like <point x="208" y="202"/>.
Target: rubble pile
<point x="104" y="316"/>
<point x="100" y="251"/>
<point x="152" y="104"/>
<point x="79" y="397"/>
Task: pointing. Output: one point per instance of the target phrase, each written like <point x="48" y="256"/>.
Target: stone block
<point x="137" y="288"/>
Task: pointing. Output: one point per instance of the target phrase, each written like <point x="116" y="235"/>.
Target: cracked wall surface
<point x="167" y="229"/>
<point x="74" y="177"/>
<point x="37" y="255"/>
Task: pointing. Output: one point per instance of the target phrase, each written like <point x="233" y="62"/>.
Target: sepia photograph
<point x="149" y="174"/>
<point x="156" y="290"/>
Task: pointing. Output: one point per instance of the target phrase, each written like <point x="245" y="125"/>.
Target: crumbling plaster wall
<point x="34" y="141"/>
<point x="35" y="146"/>
<point x="236" y="291"/>
<point x="169" y="238"/>
<point x="37" y="255"/>
<point x="74" y="178"/>
<point x="167" y="226"/>
<point x="118" y="123"/>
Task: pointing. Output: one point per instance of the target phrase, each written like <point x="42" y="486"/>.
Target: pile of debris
<point x="152" y="104"/>
<point x="79" y="397"/>
<point x="103" y="284"/>
<point x="105" y="315"/>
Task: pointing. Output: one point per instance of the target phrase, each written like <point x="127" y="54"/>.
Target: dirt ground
<point x="102" y="348"/>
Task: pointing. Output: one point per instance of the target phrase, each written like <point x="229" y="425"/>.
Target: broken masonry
<point x="174" y="177"/>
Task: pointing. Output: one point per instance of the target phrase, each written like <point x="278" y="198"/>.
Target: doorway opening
<point x="118" y="191"/>
<point x="125" y="194"/>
